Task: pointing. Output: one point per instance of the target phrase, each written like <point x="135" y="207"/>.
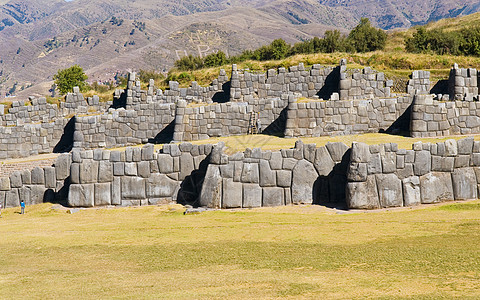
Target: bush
<point x="189" y="63"/>
<point x="364" y="37"/>
<point x="66" y="79"/>
<point x="439" y="42"/>
<point x="215" y="59"/>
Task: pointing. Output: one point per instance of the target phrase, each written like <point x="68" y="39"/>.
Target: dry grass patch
<point x="286" y="252"/>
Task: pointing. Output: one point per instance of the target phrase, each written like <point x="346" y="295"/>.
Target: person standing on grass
<point x="259" y="124"/>
<point x="22" y="206"/>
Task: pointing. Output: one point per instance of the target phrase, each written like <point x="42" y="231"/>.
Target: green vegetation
<point x="363" y="38"/>
<point x="465" y="41"/>
<point x="285" y="252"/>
<point x="66" y="79"/>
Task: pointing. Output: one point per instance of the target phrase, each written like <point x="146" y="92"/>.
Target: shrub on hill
<point x="66" y="79"/>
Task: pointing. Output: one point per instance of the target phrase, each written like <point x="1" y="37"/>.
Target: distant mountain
<point x="38" y="37"/>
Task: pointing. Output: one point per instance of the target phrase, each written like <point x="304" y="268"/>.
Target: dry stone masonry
<point x="293" y="102"/>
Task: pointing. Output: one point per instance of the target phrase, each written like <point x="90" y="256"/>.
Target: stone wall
<point x="246" y="86"/>
<point x="432" y="118"/>
<point x="226" y="119"/>
<point x="143" y="123"/>
<point x="362" y="84"/>
<point x="382" y="176"/>
<point x="419" y="83"/>
<point x="343" y="117"/>
<point x="256" y="178"/>
<point x="463" y="83"/>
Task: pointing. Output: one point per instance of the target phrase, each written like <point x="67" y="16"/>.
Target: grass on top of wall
<point x="286" y="252"/>
<point x="267" y="142"/>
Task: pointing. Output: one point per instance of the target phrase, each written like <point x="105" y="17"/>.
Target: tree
<point x="279" y="49"/>
<point x="215" y="59"/>
<point x="66" y="79"/>
<point x="365" y="37"/>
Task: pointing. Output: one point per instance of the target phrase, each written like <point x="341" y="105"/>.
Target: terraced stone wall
<point x="381" y="176"/>
<point x="343" y="117"/>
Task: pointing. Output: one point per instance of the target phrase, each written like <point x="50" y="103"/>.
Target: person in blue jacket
<point x="22" y="206"/>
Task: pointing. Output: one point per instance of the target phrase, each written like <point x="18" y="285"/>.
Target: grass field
<point x="288" y="252"/>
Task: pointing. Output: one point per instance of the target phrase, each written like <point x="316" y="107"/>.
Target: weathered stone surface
<point x="250" y="173"/>
<point x="389" y="190"/>
<point x="50" y="177"/>
<point x="62" y="166"/>
<point x="389" y="162"/>
<point x="211" y="194"/>
<point x="105" y="171"/>
<point x="131" y="169"/>
<point x="423" y="162"/>
<point x="16" y="179"/>
<point x="303" y="178"/>
<point x="216" y="154"/>
<point x="464" y="184"/>
<point x="411" y="191"/>
<point x="103" y="194"/>
<point x="451" y="147"/>
<point x="232" y="193"/>
<point x="147" y="152"/>
<point x="444" y="164"/>
<point x="116" y="191"/>
<point x="289" y="163"/>
<point x="436" y="187"/>
<point x="336" y="150"/>
<point x="5" y="184"/>
<point x="88" y="171"/>
<point x="357" y="172"/>
<point x="267" y="176"/>
<point x="143" y="169"/>
<point x="276" y="160"/>
<point x="26" y="177"/>
<point x="462" y="161"/>
<point x="363" y="195"/>
<point x="81" y="195"/>
<point x="133" y="188"/>
<point x="465" y="146"/>
<point x="11" y="198"/>
<point x="38" y="176"/>
<point x="360" y="153"/>
<point x="165" y="163"/>
<point x="161" y="186"/>
<point x="374" y="166"/>
<point x="273" y="196"/>
<point x="284" y="178"/>
<point x="252" y="195"/>
<point x="186" y="165"/>
<point x="37" y="194"/>
<point x="324" y="163"/>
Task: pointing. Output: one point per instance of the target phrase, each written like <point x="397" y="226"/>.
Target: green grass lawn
<point x="287" y="252"/>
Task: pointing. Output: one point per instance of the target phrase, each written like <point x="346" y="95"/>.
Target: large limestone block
<point x="5" y="184"/>
<point x="357" y="172"/>
<point x="133" y="188"/>
<point x="38" y="176"/>
<point x="88" y="171"/>
<point x="465" y="146"/>
<point x="389" y="190"/>
<point x="284" y="178"/>
<point x="11" y="198"/>
<point x="436" y="187"/>
<point x="250" y="173"/>
<point x="464" y="184"/>
<point x="423" y="162"/>
<point x="360" y="153"/>
<point x="143" y="169"/>
<point x="116" y="191"/>
<point x="304" y="176"/>
<point x="267" y="176"/>
<point x="276" y="160"/>
<point x="165" y="163"/>
<point x="323" y="162"/>
<point x="211" y="194"/>
<point x="389" y="162"/>
<point x="374" y="166"/>
<point x="336" y="150"/>
<point x="161" y="186"/>
<point x="37" y="194"/>
<point x="362" y="195"/>
<point x="252" y="195"/>
<point x="62" y="166"/>
<point x="103" y="194"/>
<point x="81" y="195"/>
<point x="232" y="193"/>
<point x="273" y="196"/>
<point x="186" y="165"/>
<point x="105" y="171"/>
<point x="50" y="177"/>
<point x="411" y="191"/>
<point x="451" y="148"/>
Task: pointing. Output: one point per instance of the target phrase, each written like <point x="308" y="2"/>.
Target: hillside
<point x="38" y="38"/>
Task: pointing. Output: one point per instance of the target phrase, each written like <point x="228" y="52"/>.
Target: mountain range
<point x="38" y="37"/>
